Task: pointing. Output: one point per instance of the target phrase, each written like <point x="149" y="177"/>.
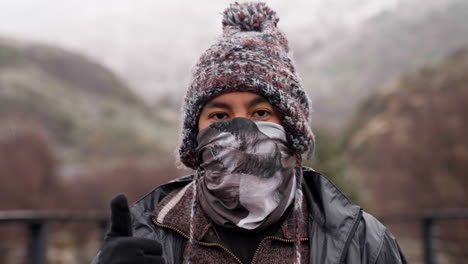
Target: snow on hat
<point x="252" y="55"/>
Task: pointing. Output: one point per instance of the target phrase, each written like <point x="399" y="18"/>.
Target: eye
<point x="218" y="116"/>
<point x="261" y="113"/>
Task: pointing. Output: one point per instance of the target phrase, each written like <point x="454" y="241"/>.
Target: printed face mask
<point x="247" y="173"/>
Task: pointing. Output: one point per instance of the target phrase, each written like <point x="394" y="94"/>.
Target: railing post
<point x="429" y="243"/>
<point x="37" y="242"/>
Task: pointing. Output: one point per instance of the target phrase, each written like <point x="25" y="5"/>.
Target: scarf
<point x="246" y="176"/>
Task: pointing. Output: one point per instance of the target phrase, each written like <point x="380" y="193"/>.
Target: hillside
<point x="344" y="68"/>
<point x="90" y="114"/>
<point x="409" y="145"/>
<point x="414" y="136"/>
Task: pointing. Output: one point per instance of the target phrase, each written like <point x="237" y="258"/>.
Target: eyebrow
<point x="257" y="100"/>
<point x="214" y="104"/>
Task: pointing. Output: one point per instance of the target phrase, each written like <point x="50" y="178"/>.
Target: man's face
<point x="237" y="104"/>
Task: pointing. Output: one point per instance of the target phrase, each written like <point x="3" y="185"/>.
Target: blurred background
<point x="90" y="95"/>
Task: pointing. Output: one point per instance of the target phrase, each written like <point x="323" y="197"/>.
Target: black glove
<point x="119" y="245"/>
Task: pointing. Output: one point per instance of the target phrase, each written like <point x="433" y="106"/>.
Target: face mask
<point x="247" y="173"/>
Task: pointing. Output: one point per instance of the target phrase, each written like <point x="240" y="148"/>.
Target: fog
<point x="153" y="44"/>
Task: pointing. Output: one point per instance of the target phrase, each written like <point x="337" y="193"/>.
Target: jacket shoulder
<point x="142" y="226"/>
<point x="149" y="201"/>
<point x="371" y="243"/>
<point x="141" y="211"/>
<point x="377" y="243"/>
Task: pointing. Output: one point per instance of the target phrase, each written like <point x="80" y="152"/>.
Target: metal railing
<point x="38" y="222"/>
<point x="429" y="220"/>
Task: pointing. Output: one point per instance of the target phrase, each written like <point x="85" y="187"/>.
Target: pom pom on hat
<point x="251" y="16"/>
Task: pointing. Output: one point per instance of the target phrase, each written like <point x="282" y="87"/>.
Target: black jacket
<point x="339" y="231"/>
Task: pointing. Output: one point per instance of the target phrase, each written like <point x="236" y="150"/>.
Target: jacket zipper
<point x="180" y="232"/>
<point x="198" y="242"/>
<point x="273" y="238"/>
<point x="350" y="237"/>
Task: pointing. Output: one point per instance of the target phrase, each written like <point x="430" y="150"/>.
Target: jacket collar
<point x="329" y="207"/>
<point x="335" y="218"/>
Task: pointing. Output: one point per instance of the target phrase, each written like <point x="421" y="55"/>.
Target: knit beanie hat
<point x="252" y="55"/>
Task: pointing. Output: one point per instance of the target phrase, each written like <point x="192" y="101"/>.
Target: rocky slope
<point x="345" y="67"/>
<point x="90" y="114"/>
<point x="410" y="148"/>
<point x="410" y="142"/>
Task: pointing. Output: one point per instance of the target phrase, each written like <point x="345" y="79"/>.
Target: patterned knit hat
<point x="252" y="55"/>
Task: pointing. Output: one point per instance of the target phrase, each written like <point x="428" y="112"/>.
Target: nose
<point x="240" y="113"/>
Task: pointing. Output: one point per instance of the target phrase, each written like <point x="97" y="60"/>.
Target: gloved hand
<point x="119" y="245"/>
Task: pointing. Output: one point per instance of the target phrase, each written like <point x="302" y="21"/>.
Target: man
<point x="246" y="126"/>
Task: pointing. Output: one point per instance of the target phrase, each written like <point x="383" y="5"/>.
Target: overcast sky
<point x="145" y="38"/>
